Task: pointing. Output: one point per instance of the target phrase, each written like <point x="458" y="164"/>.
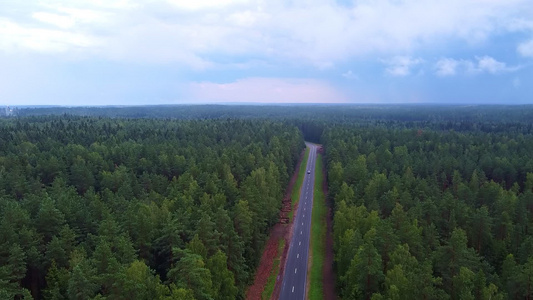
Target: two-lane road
<point x="295" y="277"/>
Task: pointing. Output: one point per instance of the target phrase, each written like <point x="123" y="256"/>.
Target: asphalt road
<point x="295" y="277"/>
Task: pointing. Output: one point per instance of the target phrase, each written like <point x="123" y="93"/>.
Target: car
<point x="308" y="172"/>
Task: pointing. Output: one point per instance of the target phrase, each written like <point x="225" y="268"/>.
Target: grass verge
<point x="295" y="195"/>
<point x="318" y="235"/>
<point x="269" y="287"/>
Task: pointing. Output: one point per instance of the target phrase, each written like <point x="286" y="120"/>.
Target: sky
<point x="137" y="52"/>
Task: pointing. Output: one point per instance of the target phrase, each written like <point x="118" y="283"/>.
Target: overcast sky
<point x="97" y="52"/>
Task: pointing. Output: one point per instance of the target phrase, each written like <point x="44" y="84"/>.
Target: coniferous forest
<point x="431" y="214"/>
<point x="428" y="202"/>
<point x="138" y="209"/>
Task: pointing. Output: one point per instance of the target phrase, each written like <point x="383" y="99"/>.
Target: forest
<point x="99" y="208"/>
<point x="430" y="213"/>
<point x="175" y="202"/>
<point x="421" y="114"/>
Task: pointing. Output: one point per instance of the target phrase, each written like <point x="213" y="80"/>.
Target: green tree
<point x="12" y="271"/>
<point x="138" y="282"/>
<point x="463" y="284"/>
<point x="191" y="273"/>
<point x="82" y="284"/>
<point x="49" y="219"/>
<point x="365" y="274"/>
<point x="481" y="229"/>
<point x="224" y="282"/>
<point x="56" y="283"/>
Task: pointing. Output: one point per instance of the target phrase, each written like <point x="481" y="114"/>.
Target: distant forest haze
<point x="176" y="202"/>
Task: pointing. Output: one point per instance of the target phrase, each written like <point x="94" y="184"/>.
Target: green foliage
<point x="223" y="280"/>
<point x="12" y="270"/>
<point x="445" y="214"/>
<point x="100" y="208"/>
<point x="82" y="283"/>
<point x="138" y="282"/>
<point x="365" y="273"/>
<point x="438" y="200"/>
<point x="56" y="283"/>
<point x="191" y="273"/>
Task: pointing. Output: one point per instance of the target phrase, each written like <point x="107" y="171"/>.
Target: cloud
<point x="266" y="90"/>
<point x="350" y="75"/>
<point x="490" y="65"/>
<point x="320" y="33"/>
<point x="15" y="38"/>
<point x="55" y="19"/>
<point x="446" y="67"/>
<point x="204" y="4"/>
<point x="401" y="65"/>
<point x="483" y="64"/>
<point x="526" y="48"/>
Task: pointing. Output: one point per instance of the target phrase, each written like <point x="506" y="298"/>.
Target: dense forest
<point x="313" y="119"/>
<point x="348" y="113"/>
<point x="175" y="202"/>
<point x="99" y="208"/>
<point x="432" y="213"/>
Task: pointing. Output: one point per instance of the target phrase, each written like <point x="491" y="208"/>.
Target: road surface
<point x="295" y="277"/>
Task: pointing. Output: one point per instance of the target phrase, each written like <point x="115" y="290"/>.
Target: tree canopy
<point x="431" y="213"/>
<point x="99" y="208"/>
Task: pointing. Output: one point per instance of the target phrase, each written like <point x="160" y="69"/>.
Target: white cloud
<point x="446" y="66"/>
<point x="526" y="48"/>
<point x="87" y="16"/>
<point x="350" y="75"/>
<point x="319" y="33"/>
<point x="246" y="18"/>
<point x="16" y="38"/>
<point x="67" y="18"/>
<point x="401" y="65"/>
<point x="483" y="64"/>
<point x="204" y="4"/>
<point x="266" y="90"/>
<point x="490" y="65"/>
<point x="55" y="19"/>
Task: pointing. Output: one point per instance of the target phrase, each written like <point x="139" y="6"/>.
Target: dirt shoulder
<point x="283" y="229"/>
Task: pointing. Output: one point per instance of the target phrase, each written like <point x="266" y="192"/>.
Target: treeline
<point x="98" y="208"/>
<point x="313" y="119"/>
<point x="441" y="115"/>
<point x="431" y="214"/>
